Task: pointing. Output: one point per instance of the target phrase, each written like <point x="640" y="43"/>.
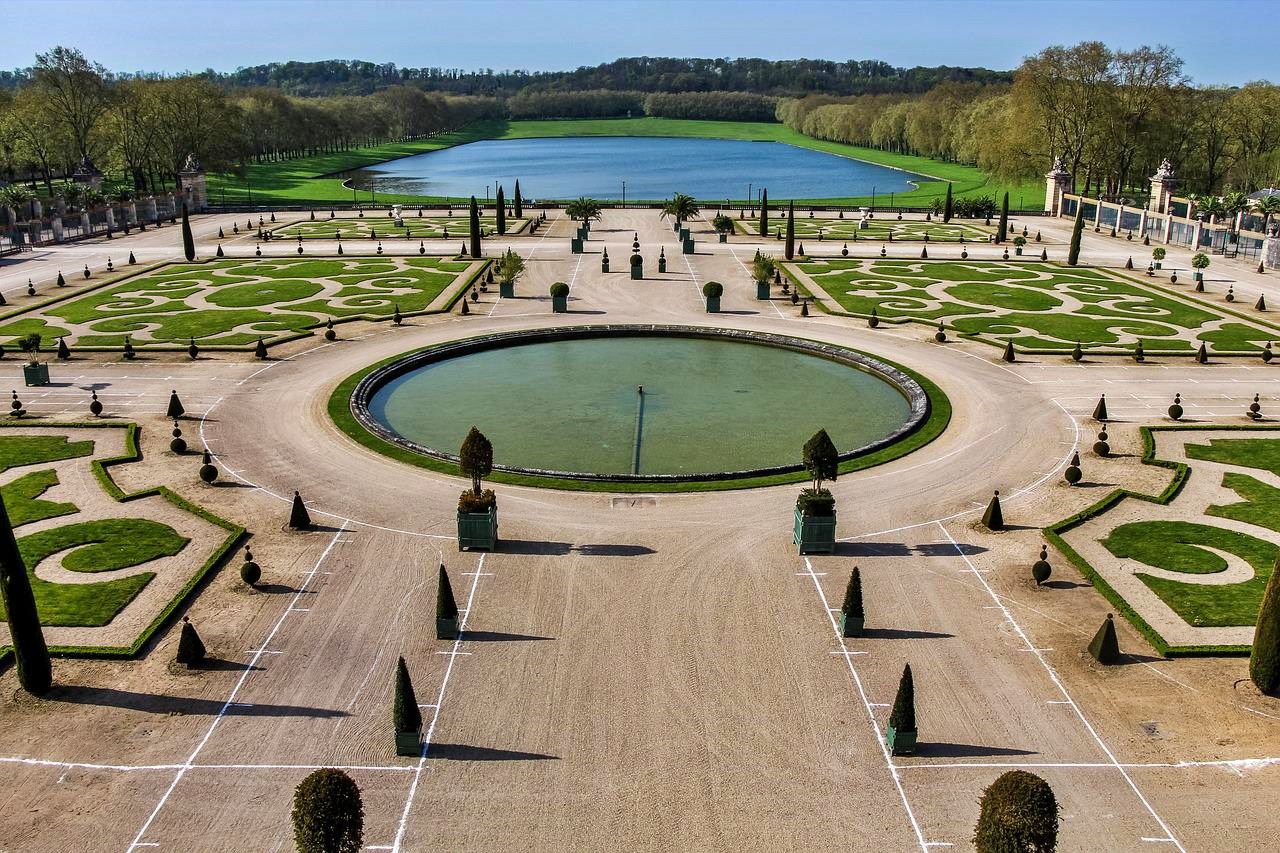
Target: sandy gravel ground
<point x="650" y="673"/>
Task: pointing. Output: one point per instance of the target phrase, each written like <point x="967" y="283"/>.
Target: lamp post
<point x="873" y="199"/>
<point x="750" y="197"/>
<point x="624" y="194"/>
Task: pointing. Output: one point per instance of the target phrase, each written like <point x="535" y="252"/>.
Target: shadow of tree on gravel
<point x="903" y="634"/>
<point x="614" y="550"/>
<point x="902" y="549"/>
<point x="499" y="637"/>
<point x="965" y="750"/>
<point x="463" y="752"/>
<point x="157" y="703"/>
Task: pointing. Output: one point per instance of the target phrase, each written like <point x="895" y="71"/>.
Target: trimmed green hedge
<point x="100" y="470"/>
<point x="1181" y="473"/>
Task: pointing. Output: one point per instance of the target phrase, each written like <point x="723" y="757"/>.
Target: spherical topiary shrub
<point x="559" y="289"/>
<point x="1040" y="570"/>
<point x="208" y="472"/>
<point x="250" y="572"/>
<point x="1019" y="813"/>
<point x="713" y="290"/>
<point x="328" y="815"/>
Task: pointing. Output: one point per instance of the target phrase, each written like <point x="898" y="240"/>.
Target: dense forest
<point x="634" y="74"/>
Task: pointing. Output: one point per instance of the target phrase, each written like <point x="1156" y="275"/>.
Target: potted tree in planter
<point x="762" y="269"/>
<point x="477" y="510"/>
<point x="815" y="513"/>
<point x="1018" y="243"/>
<point x="510" y="268"/>
<point x="712" y="290"/>
<point x="405" y="714"/>
<point x="901" y="734"/>
<point x="1157" y="256"/>
<point x="446" y="608"/>
<point x="35" y="371"/>
<point x="851" y="613"/>
<point x="1201" y="262"/>
<point x="724" y="226"/>
<point x="559" y="297"/>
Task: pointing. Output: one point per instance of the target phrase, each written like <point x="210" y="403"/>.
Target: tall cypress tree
<point x="501" y="202"/>
<point x="1002" y="233"/>
<point x="35" y="672"/>
<point x="405" y="714"/>
<point x="1264" y="660"/>
<point x="947" y="205"/>
<point x="764" y="213"/>
<point x="1073" y="253"/>
<point x="903" y="715"/>
<point x="518" y="202"/>
<point x="475" y="228"/>
<point x="188" y="242"/>
<point x="446" y="606"/>
<point x="791" y="230"/>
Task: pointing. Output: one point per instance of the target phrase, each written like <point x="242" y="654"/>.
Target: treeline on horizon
<point x="632" y="74"/>
<point x="1111" y="115"/>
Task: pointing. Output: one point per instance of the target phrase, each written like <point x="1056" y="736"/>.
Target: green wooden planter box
<point x="713" y="304"/>
<point x="1158" y="263"/>
<point x="446" y="629"/>
<point x="478" y="530"/>
<point x="900" y="743"/>
<point x="575" y="245"/>
<point x="36" y="373"/>
<point x="851" y="626"/>
<point x="507" y="289"/>
<point x="637" y="271"/>
<point x="815" y="534"/>
<point x="684" y="234"/>
<point x="409" y="743"/>
<point x="724" y="238"/>
<point x="762" y="290"/>
<point x="687" y="246"/>
<point x="559" y="304"/>
<point x="1198" y="276"/>
<point x="1017" y="250"/>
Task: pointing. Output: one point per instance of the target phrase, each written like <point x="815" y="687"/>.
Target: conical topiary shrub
<point x="299" y="518"/>
<point x="1100" y="410"/>
<point x="446" y="608"/>
<point x="851" y="613"/>
<point x="1202" y="355"/>
<point x="993" y="518"/>
<point x="260" y="350"/>
<point x="190" y="647"/>
<point x="1009" y="355"/>
<point x="405" y="714"/>
<point x="1040" y="569"/>
<point x="64" y="351"/>
<point x="193" y="351"/>
<point x="1077" y="354"/>
<point x="1019" y="815"/>
<point x="250" y="572"/>
<point x="1104" y="647"/>
<point x="1264" y="660"/>
<point x="328" y="815"/>
<point x="901" y="734"/>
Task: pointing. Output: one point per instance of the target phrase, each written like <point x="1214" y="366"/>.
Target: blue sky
<point x="1220" y="39"/>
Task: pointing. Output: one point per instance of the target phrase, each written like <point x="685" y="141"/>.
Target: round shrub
<point x="1019" y="813"/>
<point x="712" y="289"/>
<point x="1200" y="260"/>
<point x="328" y="816"/>
<point x="559" y="289"/>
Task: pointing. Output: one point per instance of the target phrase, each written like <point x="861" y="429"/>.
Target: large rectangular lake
<point x="653" y="168"/>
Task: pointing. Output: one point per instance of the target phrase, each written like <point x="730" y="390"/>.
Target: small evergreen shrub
<point x="446" y="606"/>
<point x="405" y="713"/>
<point x="328" y="815"/>
<point x="559" y="289"/>
<point x="853" y="595"/>
<point x="903" y="716"/>
<point x="469" y="501"/>
<point x="190" y="648"/>
<point x="1019" y="815"/>
<point x="712" y="290"/>
<point x="1264" y="660"/>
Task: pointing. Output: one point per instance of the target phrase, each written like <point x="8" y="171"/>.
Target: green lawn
<point x="1260" y="453"/>
<point x="1038" y="305"/>
<point x="19" y="450"/>
<point x="234" y="302"/>
<point x="878" y="230"/>
<point x="305" y="180"/>
<point x="22" y="498"/>
<point x="1173" y="546"/>
<point x="383" y="228"/>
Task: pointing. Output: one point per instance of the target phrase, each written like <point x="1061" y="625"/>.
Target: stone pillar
<point x="11" y="216"/>
<point x="1057" y="182"/>
<point x="56" y="222"/>
<point x="193" y="184"/>
<point x="131" y="212"/>
<point x="1142" y="223"/>
<point x="1162" y="184"/>
<point x="111" y="219"/>
<point x="151" y="209"/>
<point x="1168" y="229"/>
<point x="86" y="226"/>
<point x="1195" y="235"/>
<point x="60" y="206"/>
<point x="37" y="209"/>
<point x="173" y="206"/>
